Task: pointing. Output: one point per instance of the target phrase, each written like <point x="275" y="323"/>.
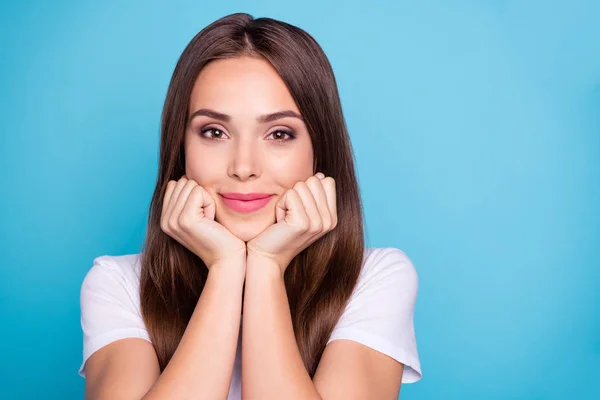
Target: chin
<point x="244" y="234"/>
<point x="249" y="227"/>
<point x="246" y="231"/>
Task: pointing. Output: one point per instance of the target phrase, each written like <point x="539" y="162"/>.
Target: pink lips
<point x="242" y="202"/>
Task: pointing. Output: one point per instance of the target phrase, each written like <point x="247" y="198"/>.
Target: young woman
<point x="254" y="280"/>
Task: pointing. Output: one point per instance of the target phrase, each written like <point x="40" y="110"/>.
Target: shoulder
<point x="387" y="284"/>
<point x="380" y="312"/>
<point x="387" y="267"/>
<point x="127" y="266"/>
<point x="112" y="281"/>
<point x="375" y="257"/>
<point x="110" y="303"/>
<point x="110" y="270"/>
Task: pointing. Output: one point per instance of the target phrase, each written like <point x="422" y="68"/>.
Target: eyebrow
<point x="261" y="119"/>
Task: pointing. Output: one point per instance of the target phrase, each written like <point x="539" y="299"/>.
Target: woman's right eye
<point x="216" y="134"/>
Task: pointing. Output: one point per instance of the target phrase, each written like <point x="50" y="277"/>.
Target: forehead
<point x="243" y="85"/>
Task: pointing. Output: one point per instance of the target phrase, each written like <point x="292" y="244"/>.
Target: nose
<point x="244" y="164"/>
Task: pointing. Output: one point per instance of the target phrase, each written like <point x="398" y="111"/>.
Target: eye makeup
<point x="291" y="135"/>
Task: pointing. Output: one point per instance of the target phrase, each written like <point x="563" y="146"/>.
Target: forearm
<point x="271" y="363"/>
<point x="202" y="365"/>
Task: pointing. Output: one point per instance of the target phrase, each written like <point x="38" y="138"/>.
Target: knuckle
<point x="163" y="226"/>
<point x="302" y="226"/>
<point x="317" y="227"/>
<point x="313" y="179"/>
<point x="299" y="184"/>
<point x="184" y="222"/>
<point x="172" y="225"/>
<point x="197" y="190"/>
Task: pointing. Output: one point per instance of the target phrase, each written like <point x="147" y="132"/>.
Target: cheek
<point x="203" y="166"/>
<point x="282" y="166"/>
<point x="296" y="167"/>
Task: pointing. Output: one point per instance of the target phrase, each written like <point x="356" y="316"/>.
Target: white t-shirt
<point x="379" y="314"/>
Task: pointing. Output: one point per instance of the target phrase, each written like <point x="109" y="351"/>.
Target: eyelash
<point x="291" y="134"/>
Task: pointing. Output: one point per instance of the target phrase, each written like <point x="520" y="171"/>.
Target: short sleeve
<point x="380" y="312"/>
<point x="109" y="305"/>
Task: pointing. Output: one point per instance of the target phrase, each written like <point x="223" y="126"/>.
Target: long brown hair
<point x="320" y="280"/>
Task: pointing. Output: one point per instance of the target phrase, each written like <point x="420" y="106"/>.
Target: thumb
<point x="281" y="207"/>
<point x="207" y="204"/>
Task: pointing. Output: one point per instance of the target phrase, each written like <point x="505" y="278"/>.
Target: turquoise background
<point x="476" y="128"/>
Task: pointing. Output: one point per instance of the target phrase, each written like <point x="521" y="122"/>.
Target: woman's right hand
<point x="188" y="216"/>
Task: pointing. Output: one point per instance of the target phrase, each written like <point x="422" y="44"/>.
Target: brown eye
<point x="217" y="133"/>
<point x="279" y="135"/>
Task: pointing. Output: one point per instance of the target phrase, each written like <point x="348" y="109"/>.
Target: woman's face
<point x="238" y="152"/>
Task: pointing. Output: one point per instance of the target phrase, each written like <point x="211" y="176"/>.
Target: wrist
<point x="257" y="263"/>
<point x="234" y="266"/>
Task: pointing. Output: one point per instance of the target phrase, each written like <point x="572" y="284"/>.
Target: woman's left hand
<point x="304" y="213"/>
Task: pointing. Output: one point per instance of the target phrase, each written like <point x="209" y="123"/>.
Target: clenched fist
<point x="188" y="216"/>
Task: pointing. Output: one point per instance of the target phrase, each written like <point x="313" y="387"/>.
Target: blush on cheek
<point x="290" y="174"/>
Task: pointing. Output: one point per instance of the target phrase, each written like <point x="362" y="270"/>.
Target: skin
<point x="247" y="158"/>
<point x="244" y="248"/>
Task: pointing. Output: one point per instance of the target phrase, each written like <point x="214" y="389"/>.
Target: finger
<point x="200" y="202"/>
<point x="318" y="192"/>
<point x="167" y="196"/>
<point x="164" y="216"/>
<point x="178" y="186"/>
<point x="310" y="206"/>
<point x="182" y="199"/>
<point x="292" y="208"/>
<point x="280" y="208"/>
<point x="329" y="187"/>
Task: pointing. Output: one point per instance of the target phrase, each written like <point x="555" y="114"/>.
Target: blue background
<point x="476" y="128"/>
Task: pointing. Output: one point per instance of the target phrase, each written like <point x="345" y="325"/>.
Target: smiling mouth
<point x="246" y="206"/>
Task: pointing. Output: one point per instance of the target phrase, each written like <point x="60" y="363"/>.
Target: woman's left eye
<point x="279" y="135"/>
